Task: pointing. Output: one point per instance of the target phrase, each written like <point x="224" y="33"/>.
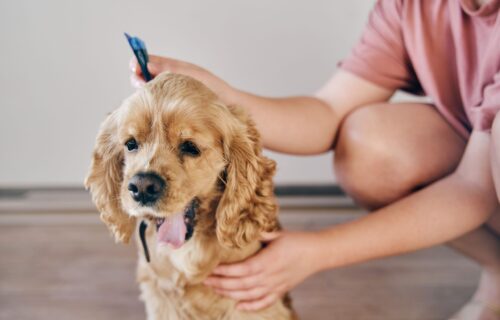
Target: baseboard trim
<point x="77" y="199"/>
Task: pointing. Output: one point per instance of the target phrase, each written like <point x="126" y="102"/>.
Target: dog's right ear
<point x="105" y="178"/>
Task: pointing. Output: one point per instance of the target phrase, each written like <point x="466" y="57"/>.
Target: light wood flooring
<point x="65" y="266"/>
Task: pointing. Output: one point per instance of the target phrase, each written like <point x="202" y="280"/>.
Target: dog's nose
<point x="146" y="187"/>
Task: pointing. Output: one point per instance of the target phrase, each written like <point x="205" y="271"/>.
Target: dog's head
<point x="172" y="145"/>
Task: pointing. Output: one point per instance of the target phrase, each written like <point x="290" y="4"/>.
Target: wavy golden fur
<point x="230" y="178"/>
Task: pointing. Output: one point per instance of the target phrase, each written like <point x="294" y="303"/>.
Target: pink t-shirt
<point x="446" y="49"/>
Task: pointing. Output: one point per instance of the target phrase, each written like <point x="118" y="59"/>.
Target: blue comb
<point x="141" y="54"/>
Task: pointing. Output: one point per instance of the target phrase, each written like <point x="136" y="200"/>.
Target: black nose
<point x="146" y="187"/>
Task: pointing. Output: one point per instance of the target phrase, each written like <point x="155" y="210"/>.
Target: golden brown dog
<point x="174" y="157"/>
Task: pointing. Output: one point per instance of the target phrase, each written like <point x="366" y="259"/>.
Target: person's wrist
<point x="315" y="253"/>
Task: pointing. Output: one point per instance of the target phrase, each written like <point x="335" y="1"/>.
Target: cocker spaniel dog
<point x="186" y="173"/>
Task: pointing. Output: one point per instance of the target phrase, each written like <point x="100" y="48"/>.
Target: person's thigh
<point x="385" y="151"/>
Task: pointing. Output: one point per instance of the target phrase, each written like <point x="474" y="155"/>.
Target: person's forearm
<point x="297" y="125"/>
<point x="432" y="216"/>
<point x="307" y="125"/>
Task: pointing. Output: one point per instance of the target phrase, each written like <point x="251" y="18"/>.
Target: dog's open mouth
<point x="176" y="229"/>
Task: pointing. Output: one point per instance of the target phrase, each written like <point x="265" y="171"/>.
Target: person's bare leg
<point x="483" y="246"/>
<point x="480" y="245"/>
<point x="386" y="151"/>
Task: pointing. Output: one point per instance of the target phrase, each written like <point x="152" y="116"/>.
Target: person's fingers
<point x="224" y="283"/>
<point x="155" y="67"/>
<point x="244" y="295"/>
<point x="258" y="304"/>
<point x="136" y="81"/>
<point x="246" y="268"/>
<point x="134" y="66"/>
<point x="269" y="236"/>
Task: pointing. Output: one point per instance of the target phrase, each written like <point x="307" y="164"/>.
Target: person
<point x="430" y="173"/>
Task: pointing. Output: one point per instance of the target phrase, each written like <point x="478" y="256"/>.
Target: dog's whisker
<point x="221" y="179"/>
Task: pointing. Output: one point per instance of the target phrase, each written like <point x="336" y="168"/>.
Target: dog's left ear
<point x="105" y="178"/>
<point x="247" y="206"/>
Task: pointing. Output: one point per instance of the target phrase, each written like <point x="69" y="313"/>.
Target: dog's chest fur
<point x="171" y="283"/>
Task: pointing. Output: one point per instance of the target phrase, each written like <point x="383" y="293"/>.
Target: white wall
<point x="64" y="65"/>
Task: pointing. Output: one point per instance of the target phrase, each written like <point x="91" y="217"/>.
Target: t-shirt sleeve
<point x="482" y="115"/>
<point x="380" y="55"/>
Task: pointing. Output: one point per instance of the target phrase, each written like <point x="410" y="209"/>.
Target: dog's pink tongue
<point x="173" y="230"/>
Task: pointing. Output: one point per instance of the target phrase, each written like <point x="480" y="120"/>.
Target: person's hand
<point x="157" y="65"/>
<point x="259" y="281"/>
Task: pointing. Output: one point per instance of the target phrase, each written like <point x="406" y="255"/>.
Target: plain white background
<point x="64" y="66"/>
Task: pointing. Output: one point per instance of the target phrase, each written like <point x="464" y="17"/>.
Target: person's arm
<point x="297" y="125"/>
<point x="441" y="212"/>
<point x="434" y="215"/>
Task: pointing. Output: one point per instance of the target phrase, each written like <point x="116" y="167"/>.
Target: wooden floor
<point x="65" y="266"/>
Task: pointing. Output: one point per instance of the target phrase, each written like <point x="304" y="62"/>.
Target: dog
<point x="184" y="171"/>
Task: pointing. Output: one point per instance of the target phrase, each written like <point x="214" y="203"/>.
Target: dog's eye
<point x="131" y="145"/>
<point x="189" y="148"/>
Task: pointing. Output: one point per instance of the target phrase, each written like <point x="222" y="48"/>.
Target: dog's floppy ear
<point x="247" y="206"/>
<point x="105" y="178"/>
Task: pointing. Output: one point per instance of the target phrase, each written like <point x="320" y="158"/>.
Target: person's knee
<point x="369" y="164"/>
